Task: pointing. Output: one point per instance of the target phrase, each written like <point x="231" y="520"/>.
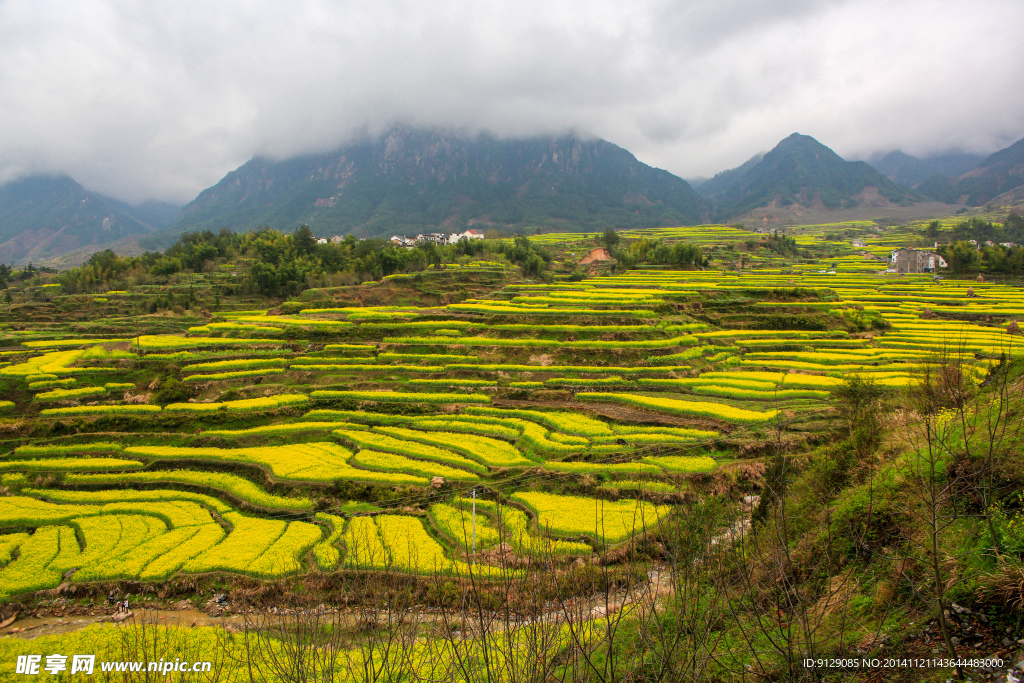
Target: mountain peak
<point x="800" y="170"/>
<point x="796" y="138"/>
<point x="798" y="143"/>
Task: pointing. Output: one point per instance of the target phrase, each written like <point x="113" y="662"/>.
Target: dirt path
<point x="34" y="627"/>
<point x="658" y="583"/>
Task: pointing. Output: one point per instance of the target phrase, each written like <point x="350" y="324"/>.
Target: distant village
<point x="900" y="261"/>
<point x="436" y="238"/>
<point x="422" y="238"/>
<point x="903" y="260"/>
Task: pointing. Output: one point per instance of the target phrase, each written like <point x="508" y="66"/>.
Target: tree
<point x="610" y="238"/>
<point x="304" y="240"/>
<point x="858" y="401"/>
<point x="534" y="265"/>
<point x="961" y="256"/>
<point x="780" y="616"/>
<point x="200" y="253"/>
<point x="780" y="244"/>
<point x="936" y="401"/>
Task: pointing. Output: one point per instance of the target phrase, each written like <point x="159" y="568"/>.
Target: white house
<point x="435" y="237"/>
<point x="469" y="235"/>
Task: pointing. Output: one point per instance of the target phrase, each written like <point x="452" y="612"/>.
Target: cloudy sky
<point x="145" y="99"/>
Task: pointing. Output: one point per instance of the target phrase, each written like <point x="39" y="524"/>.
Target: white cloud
<point x="145" y="100"/>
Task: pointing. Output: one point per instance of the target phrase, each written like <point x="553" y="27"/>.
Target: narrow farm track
<point x="658" y="586"/>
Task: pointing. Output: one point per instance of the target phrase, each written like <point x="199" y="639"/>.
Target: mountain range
<point x="415" y="180"/>
<point x="911" y="171"/>
<point x="42" y="217"/>
<point x="997" y="174"/>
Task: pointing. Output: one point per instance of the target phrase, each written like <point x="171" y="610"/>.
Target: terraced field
<point x="344" y="437"/>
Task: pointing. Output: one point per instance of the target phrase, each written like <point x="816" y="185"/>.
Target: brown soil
<point x="599" y="254"/>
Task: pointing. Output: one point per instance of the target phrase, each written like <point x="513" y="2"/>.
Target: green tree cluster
<point x="780" y="244"/>
<point x="656" y="251"/>
<point x="280" y="264"/>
